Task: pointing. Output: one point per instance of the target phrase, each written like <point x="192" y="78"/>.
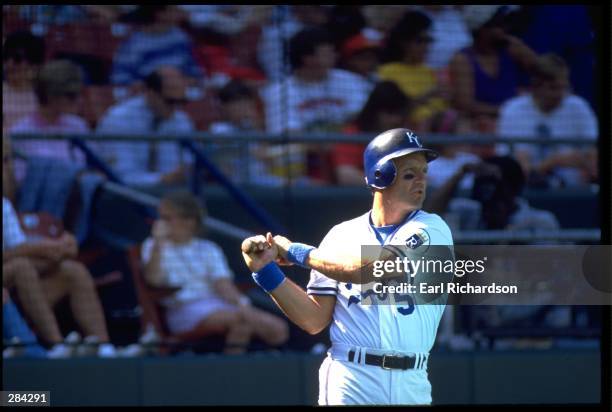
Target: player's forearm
<point x="299" y="307"/>
<point x="343" y="269"/>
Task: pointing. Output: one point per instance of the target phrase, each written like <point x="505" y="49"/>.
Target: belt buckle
<point x="384" y="358"/>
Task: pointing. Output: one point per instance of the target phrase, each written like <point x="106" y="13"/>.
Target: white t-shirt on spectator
<point x="130" y="159"/>
<point x="12" y="234"/>
<point x="520" y="117"/>
<point x="307" y="106"/>
<point x="573" y="119"/>
<point x="193" y="267"/>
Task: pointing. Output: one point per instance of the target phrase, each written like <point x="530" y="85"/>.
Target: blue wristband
<point x="298" y="253"/>
<point x="269" y="277"/>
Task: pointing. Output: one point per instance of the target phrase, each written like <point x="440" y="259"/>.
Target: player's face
<point x="408" y="189"/>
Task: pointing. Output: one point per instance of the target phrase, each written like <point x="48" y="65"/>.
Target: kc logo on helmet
<point x="413" y="138"/>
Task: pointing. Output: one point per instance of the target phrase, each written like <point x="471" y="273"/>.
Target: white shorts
<point x="184" y="317"/>
<point x="347" y="383"/>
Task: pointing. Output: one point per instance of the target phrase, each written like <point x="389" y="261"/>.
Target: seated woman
<point x="207" y="299"/>
<point x="42" y="273"/>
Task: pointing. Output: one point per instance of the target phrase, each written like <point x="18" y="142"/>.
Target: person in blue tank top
<point x="492" y="69"/>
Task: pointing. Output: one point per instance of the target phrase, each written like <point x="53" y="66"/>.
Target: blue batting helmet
<point x="377" y="159"/>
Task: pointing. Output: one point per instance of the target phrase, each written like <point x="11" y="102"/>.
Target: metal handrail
<point x="243" y="199"/>
<point x="204" y="137"/>
<point x="94" y="160"/>
<point x="145" y="199"/>
<point x="493" y="236"/>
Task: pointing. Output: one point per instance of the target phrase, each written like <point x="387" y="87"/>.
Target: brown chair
<point x="153" y="313"/>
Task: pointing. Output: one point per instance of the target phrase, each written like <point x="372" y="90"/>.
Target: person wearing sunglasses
<point x="405" y="55"/>
<point x="157" y="110"/>
<point x="22" y="55"/>
<point x="57" y="87"/>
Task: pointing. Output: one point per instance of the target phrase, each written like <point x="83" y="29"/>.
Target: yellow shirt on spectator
<point x="415" y="81"/>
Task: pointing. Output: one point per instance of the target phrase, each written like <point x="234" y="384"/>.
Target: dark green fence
<point x="556" y="376"/>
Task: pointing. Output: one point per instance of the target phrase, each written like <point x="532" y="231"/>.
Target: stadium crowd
<point x="471" y="70"/>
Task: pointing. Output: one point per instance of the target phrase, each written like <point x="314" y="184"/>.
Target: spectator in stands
<point x="550" y="110"/>
<point x="156" y="111"/>
<point x="381" y="19"/>
<point x="286" y="22"/>
<point x="16" y="332"/>
<point x="451" y="156"/>
<point x="360" y="54"/>
<point x="405" y="54"/>
<point x="158" y="42"/>
<point x="495" y="201"/>
<point x="22" y="55"/>
<point x="449" y="34"/>
<point x="207" y="298"/>
<point x="316" y="97"/>
<point x="545" y="31"/>
<point x="53" y="14"/>
<point x="58" y="87"/>
<point x="240" y="112"/>
<point x="386" y="108"/>
<point x="42" y="273"/>
<point x="488" y="72"/>
<point x="319" y="97"/>
<point x="227" y="19"/>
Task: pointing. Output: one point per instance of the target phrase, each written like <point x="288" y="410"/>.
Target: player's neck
<point x="386" y="214"/>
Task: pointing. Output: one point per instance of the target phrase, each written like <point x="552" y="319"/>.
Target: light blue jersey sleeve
<point x="320" y="284"/>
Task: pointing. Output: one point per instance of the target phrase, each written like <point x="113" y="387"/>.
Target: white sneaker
<point x="107" y="350"/>
<point x="66" y="349"/>
<point x="73" y="338"/>
<point x="10" y="352"/>
<point x="14" y="349"/>
<point x="89" y="347"/>
<point x="150" y="337"/>
<point x="60" y="351"/>
<point x="134" y="350"/>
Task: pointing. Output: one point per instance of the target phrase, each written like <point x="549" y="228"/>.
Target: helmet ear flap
<point x="384" y="174"/>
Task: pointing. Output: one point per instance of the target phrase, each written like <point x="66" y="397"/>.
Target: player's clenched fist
<point x="258" y="251"/>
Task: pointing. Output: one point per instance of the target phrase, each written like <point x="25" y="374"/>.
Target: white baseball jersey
<point x="390" y="328"/>
<point x="407" y="329"/>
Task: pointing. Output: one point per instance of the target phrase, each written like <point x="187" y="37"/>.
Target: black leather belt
<point x="387" y="361"/>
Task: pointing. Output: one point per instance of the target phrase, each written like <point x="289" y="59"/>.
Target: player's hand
<point x="282" y="243"/>
<point x="258" y="251"/>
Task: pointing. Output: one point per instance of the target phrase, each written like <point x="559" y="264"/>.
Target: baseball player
<point x="379" y="353"/>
